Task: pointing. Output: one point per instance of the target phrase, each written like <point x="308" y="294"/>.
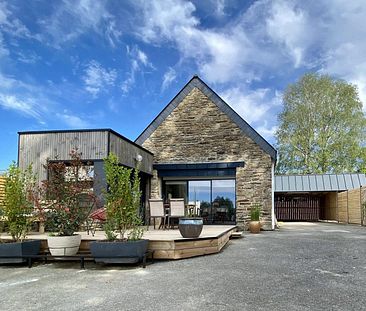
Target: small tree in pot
<point x="67" y="198"/>
<point x="254" y="224"/>
<point x="17" y="209"/>
<point x="123" y="226"/>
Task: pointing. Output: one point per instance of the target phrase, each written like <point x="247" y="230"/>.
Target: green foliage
<point x="255" y="212"/>
<point x="17" y="207"/>
<point x="123" y="201"/>
<point x="66" y="197"/>
<point x="321" y="128"/>
<point x="228" y="203"/>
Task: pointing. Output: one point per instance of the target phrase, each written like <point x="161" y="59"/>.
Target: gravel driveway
<point x="302" y="266"/>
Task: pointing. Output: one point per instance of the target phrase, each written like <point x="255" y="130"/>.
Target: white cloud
<point x="290" y="26"/>
<point x="3" y="49"/>
<point x="12" y="25"/>
<point x="29" y="57"/>
<point x="27" y="108"/>
<point x="71" y="120"/>
<point x="24" y="98"/>
<point x="222" y="55"/>
<point x="267" y="131"/>
<point x="220" y="8"/>
<point x="97" y="78"/>
<point x="141" y="56"/>
<point x="169" y="76"/>
<point x="74" y="18"/>
<point x="251" y="105"/>
<point x="139" y="61"/>
<point x="164" y="19"/>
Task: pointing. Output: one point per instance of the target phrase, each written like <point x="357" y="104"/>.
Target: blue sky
<point x="116" y="64"/>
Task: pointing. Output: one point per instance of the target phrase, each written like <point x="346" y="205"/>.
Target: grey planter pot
<point x="18" y="249"/>
<point x="190" y="227"/>
<point x="118" y="252"/>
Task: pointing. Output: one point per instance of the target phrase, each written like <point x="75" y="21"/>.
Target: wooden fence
<point x="344" y="207"/>
<point x="300" y="208"/>
<point x="350" y="206"/>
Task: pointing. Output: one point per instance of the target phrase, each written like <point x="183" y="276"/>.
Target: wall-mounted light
<point x="138" y="158"/>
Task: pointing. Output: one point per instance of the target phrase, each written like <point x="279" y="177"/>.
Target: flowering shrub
<point x="66" y="197"/>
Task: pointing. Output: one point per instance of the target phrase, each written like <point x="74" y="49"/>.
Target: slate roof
<point x="318" y="183"/>
<point x="220" y="103"/>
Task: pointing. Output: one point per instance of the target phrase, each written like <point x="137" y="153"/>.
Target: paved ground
<point x="300" y="267"/>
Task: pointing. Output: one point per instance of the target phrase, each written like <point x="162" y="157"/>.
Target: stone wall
<point x="197" y="131"/>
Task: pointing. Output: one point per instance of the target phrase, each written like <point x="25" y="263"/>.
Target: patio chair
<point x="157" y="210"/>
<point x="176" y="209"/>
<point x="96" y="219"/>
<point x="196" y="207"/>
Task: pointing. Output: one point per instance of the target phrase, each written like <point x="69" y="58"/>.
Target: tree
<point x="321" y="128"/>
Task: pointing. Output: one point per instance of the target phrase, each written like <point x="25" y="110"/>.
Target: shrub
<point x="66" y="197"/>
<point x="255" y="212"/>
<point x="17" y="207"/>
<point x="122" y="201"/>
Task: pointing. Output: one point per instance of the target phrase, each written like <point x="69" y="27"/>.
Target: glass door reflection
<point x="223" y="201"/>
<point x="199" y="193"/>
<point x="175" y="190"/>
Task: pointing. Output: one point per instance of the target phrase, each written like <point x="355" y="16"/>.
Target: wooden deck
<point x="166" y="244"/>
<point x="169" y="244"/>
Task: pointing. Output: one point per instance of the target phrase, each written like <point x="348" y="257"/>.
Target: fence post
<point x="347" y="209"/>
<point x="361" y="207"/>
<point x="337" y="211"/>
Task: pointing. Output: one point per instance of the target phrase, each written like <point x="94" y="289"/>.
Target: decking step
<point x="237" y="235"/>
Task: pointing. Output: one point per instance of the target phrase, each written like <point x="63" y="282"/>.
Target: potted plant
<point x="254" y="224"/>
<point x="17" y="212"/>
<point x="67" y="199"/>
<point x="191" y="225"/>
<point x="123" y="224"/>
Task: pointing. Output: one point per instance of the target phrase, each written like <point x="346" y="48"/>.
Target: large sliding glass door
<point x="214" y="197"/>
<point x="223" y="201"/>
<point x="175" y="189"/>
<point x="199" y="193"/>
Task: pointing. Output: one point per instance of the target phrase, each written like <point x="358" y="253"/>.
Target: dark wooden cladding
<point x="297" y="208"/>
<point x="128" y="152"/>
<point x="37" y="147"/>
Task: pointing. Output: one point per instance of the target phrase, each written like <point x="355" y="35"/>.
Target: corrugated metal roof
<point x="315" y="183"/>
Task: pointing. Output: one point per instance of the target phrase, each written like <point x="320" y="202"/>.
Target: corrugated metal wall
<point x="36" y="148"/>
<point x="127" y="153"/>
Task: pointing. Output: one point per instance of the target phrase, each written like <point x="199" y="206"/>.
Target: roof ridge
<point x="197" y="82"/>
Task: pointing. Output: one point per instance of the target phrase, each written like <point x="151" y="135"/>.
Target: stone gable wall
<point x="197" y="131"/>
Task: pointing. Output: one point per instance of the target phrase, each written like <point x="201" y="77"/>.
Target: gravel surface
<point x="302" y="266"/>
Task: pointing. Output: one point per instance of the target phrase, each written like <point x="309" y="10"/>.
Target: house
<point x="197" y="148"/>
<point x="204" y="151"/>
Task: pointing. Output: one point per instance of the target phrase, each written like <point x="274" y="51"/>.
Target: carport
<point x="313" y="197"/>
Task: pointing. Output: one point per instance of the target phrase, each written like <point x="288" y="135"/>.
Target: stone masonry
<point x="198" y="131"/>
